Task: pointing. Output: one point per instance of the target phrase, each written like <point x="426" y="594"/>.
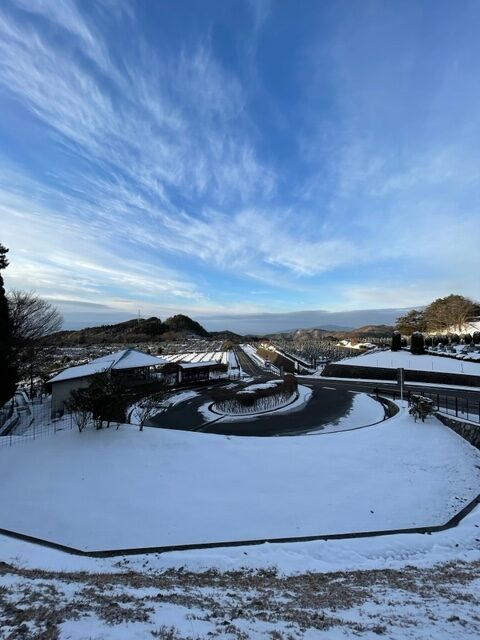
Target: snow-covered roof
<point x="125" y="359"/>
<point x="195" y="365"/>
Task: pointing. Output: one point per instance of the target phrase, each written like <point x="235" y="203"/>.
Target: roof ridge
<point x="124" y="354"/>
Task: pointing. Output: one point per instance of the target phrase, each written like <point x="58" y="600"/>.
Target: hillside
<point x="137" y="330"/>
<point x="367" y="331"/>
<point x="372" y="330"/>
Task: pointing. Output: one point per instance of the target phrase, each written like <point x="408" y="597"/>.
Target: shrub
<point x="240" y="400"/>
<point x="396" y="341"/>
<point x="417" y="343"/>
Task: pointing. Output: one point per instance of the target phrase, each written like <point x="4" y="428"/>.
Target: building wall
<point x="61" y="392"/>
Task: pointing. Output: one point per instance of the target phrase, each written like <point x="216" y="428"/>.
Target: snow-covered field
<point x="117" y="489"/>
<point x="404" y="359"/>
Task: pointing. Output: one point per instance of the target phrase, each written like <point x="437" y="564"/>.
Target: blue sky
<point x="230" y="159"/>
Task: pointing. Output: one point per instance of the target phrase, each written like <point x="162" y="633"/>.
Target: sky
<point x="248" y="163"/>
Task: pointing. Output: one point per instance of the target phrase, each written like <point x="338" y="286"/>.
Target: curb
<point x="111" y="553"/>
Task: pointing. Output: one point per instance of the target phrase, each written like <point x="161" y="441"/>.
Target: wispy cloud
<point x="189" y="168"/>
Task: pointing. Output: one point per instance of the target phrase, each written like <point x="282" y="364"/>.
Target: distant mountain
<point x="227" y="335"/>
<point x="132" y="331"/>
<point x="372" y="331"/>
<point x="335" y="327"/>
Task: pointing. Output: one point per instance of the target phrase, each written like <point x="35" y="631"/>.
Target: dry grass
<point x="34" y="603"/>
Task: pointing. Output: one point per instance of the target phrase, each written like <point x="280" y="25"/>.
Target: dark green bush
<point x="417" y="343"/>
<point x="396" y="341"/>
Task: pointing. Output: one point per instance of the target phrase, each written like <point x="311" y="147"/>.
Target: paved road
<point x="449" y="399"/>
<point x="250" y="367"/>
<point x="325" y="406"/>
<point x="331" y="399"/>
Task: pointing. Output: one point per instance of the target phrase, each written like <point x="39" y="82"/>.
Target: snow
<point x="261" y="385"/>
<point x="114" y="489"/>
<point x="198" y="363"/>
<point x="252" y="353"/>
<point x="362" y="405"/>
<point x="405" y="360"/>
<point x="125" y="359"/>
<point x="304" y="395"/>
<point x="181" y="396"/>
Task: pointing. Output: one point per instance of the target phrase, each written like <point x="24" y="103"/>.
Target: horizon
<point x="239" y="159"/>
<point x="265" y="323"/>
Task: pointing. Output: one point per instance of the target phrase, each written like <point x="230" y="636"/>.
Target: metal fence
<point x="461" y="408"/>
<point x="32" y="422"/>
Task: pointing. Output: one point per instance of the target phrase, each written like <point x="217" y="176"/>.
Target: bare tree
<point x="148" y="407"/>
<point x="32" y="319"/>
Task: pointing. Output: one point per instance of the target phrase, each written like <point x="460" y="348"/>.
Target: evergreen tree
<point x="8" y="371"/>
<point x="413" y="321"/>
<point x="396" y="341"/>
<point x="417" y="343"/>
<point x="449" y="314"/>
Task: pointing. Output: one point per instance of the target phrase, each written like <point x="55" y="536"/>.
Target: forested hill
<point x="371" y="331"/>
<point x="137" y="330"/>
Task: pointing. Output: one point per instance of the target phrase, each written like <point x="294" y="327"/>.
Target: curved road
<point x="324" y="407"/>
<point x="331" y="400"/>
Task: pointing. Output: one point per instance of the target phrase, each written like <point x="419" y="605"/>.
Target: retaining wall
<point x="336" y="370"/>
<point x="470" y="432"/>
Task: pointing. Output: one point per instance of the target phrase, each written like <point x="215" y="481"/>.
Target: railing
<point x="34" y="422"/>
<point x="463" y="408"/>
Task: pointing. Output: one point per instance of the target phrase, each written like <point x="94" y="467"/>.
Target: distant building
<point x="186" y="373"/>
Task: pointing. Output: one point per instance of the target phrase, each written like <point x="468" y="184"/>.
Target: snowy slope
<point x="426" y="362"/>
<point x="117" y="489"/>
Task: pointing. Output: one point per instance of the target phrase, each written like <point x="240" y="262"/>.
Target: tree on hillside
<point x="8" y="371"/>
<point x="413" y="321"/>
<point x="450" y="313"/>
<point x="32" y="319"/>
<point x="181" y="322"/>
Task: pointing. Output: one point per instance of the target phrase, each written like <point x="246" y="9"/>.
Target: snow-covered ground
<point x="251" y="352"/>
<point x="404" y="359"/>
<point x="402" y="586"/>
<point x="119" y="489"/>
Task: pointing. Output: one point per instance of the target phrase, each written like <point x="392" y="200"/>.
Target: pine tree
<point x="8" y="371"/>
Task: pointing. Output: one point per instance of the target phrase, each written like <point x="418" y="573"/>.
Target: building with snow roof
<point x="189" y="372"/>
<point x="132" y="366"/>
